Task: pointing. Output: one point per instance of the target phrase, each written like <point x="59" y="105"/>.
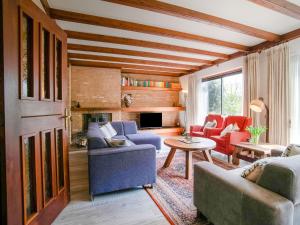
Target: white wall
<point x="39" y="4"/>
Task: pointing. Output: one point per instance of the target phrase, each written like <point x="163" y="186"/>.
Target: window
<point x="223" y="94"/>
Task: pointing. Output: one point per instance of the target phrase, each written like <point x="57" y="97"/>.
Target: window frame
<point x="221" y="76"/>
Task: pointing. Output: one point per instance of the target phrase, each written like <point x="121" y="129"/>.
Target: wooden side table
<point x="252" y="152"/>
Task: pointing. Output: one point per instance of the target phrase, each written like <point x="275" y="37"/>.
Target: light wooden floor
<point x="133" y="207"/>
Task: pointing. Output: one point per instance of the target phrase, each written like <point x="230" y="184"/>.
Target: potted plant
<point x="256" y="132"/>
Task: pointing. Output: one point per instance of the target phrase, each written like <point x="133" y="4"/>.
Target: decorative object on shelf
<point x="127" y="100"/>
<point x="75" y="104"/>
<point x="256" y="132"/>
<point x="258" y="105"/>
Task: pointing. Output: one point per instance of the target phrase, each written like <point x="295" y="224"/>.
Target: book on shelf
<point x="128" y="81"/>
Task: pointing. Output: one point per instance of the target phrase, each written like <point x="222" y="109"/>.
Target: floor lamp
<point x="185" y="94"/>
<point x="258" y="105"/>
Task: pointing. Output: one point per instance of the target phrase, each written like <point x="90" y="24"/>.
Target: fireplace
<point x="95" y="117"/>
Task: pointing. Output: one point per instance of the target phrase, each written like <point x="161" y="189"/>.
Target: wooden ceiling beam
<point x="46" y="6"/>
<point x="136" y="53"/>
<point x="146" y="72"/>
<point x="136" y="27"/>
<point x="257" y="48"/>
<point x="189" y="14"/>
<point x="130" y="60"/>
<point x="282" y="6"/>
<point x="125" y="66"/>
<point x="140" y="43"/>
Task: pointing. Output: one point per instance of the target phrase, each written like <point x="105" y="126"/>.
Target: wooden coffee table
<point x="201" y="144"/>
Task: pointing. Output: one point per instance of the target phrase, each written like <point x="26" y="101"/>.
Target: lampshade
<point x="257" y="105"/>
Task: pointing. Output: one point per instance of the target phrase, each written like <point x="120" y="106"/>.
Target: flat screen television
<point x="151" y="120"/>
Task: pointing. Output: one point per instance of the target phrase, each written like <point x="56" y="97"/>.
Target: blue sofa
<point x="112" y="169"/>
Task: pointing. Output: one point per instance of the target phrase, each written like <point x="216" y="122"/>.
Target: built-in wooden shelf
<point x="133" y="88"/>
<point x="165" y="131"/>
<point x="153" y="109"/>
<point x="88" y="109"/>
<point x="131" y="109"/>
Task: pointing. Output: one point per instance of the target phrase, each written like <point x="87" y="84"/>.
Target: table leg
<point x="207" y="156"/>
<point x="188" y="164"/>
<point x="235" y="159"/>
<point x="170" y="157"/>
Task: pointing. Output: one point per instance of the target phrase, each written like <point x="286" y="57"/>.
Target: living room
<point x="150" y="112"/>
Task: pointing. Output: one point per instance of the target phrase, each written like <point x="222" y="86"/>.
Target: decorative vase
<point x="127" y="99"/>
<point x="255" y="139"/>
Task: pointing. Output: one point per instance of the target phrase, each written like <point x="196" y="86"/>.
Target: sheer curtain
<point x="295" y="99"/>
<point x="193" y="101"/>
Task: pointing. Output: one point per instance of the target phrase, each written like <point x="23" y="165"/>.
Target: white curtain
<point x="295" y="99"/>
<point x="251" y="74"/>
<point x="279" y="94"/>
<point x="193" y="101"/>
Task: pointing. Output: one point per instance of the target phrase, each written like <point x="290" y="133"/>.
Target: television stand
<point x="164" y="131"/>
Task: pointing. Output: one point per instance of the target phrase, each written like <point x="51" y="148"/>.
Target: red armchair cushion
<point x="198" y="131"/>
<point x="212" y="117"/>
<point x="241" y="121"/>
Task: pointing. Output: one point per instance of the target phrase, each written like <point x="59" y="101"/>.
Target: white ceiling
<point x="241" y="11"/>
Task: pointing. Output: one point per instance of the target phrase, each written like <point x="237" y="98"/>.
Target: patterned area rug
<point x="173" y="194"/>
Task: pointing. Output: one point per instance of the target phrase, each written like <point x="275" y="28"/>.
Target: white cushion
<point x="105" y="132"/>
<point x="110" y="129"/>
<point x="227" y="130"/>
<point x="230" y="128"/>
<point x="291" y="150"/>
<point x="211" y="124"/>
<point x="235" y="127"/>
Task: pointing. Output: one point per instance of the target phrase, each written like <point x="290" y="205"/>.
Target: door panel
<point x="36" y="148"/>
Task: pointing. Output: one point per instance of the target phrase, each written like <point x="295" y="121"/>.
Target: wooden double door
<point x="34" y="152"/>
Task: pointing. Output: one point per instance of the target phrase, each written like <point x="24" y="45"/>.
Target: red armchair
<point x="224" y="144"/>
<point x="198" y="131"/>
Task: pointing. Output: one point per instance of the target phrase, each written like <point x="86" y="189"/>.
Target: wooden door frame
<point x="2" y="133"/>
<point x="11" y="198"/>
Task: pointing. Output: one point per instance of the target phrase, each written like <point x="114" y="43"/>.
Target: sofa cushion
<point x="110" y="129"/>
<point x="210" y="124"/>
<point x="291" y="150"/>
<point x="145" y="138"/>
<point x="94" y="131"/>
<point x="105" y="132"/>
<point x="283" y="178"/>
<point x="96" y="143"/>
<point x="253" y="172"/>
<point x="130" y="127"/>
<point x="120" y="137"/>
<point x="118" y="142"/>
<point x="118" y="126"/>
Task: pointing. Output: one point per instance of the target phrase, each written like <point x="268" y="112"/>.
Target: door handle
<point x="66" y="117"/>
